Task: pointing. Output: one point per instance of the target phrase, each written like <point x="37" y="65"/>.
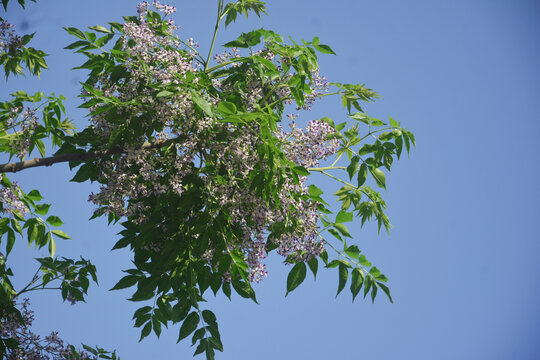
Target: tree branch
<point x="48" y="161"/>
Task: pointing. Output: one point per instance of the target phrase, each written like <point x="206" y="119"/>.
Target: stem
<point x="374" y="132"/>
<point x="48" y="161"/>
<point x="348" y="184"/>
<point x="215" y="67"/>
<point x="358" y="265"/>
<point x="278" y="85"/>
<point x="321" y="169"/>
<point x="41" y="288"/>
<point x="338" y="179"/>
<point x="337" y="159"/>
<point x="328" y="94"/>
<point x="34" y="279"/>
<point x="218" y="21"/>
<point x="280" y="100"/>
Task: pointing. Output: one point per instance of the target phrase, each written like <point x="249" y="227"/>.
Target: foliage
<point x="202" y="163"/>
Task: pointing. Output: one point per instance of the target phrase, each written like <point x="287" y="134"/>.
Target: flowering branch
<point x="48" y="161"/>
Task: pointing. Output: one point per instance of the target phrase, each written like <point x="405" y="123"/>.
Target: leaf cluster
<point x="55" y="126"/>
<point x="189" y="246"/>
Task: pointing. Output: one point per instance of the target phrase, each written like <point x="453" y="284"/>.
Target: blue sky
<point x="463" y="76"/>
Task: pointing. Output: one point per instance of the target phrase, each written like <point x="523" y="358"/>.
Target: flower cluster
<point x="23" y="124"/>
<point x="255" y="217"/>
<point x="142" y="8"/>
<point x="10" y="199"/>
<point x="153" y="60"/>
<point x="308" y="146"/>
<point x="318" y="87"/>
<point x="32" y="346"/>
<point x="227" y="56"/>
<point x="9" y="41"/>
<point x="129" y="179"/>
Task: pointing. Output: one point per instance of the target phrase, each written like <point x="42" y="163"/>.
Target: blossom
<point x="10" y="197"/>
<point x="130" y="180"/>
<point x="30" y="345"/>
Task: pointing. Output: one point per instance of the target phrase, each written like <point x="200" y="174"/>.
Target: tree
<point x="194" y="163"/>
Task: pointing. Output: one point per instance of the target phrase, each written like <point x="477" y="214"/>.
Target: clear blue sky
<point x="464" y="76"/>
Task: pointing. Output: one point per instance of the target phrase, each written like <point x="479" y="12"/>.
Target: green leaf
<point x="244" y="289"/>
<point x="10" y="241"/>
<point x="89" y="349"/>
<point x="236" y="43"/>
<point x="61" y="234"/>
<point x="301" y="170"/>
<point x="34" y="195"/>
<point x="180" y="311"/>
<point x="325" y="49"/>
<point x="393" y="122"/>
<point x="367" y="285"/>
<point x="362" y="174"/>
<point x="75" y="32"/>
<point x="16" y="226"/>
<point x="362" y="260"/>
<point x="344" y="216"/>
<point x="407" y="142"/>
<point x="313" y="264"/>
<point x="377" y="122"/>
<point x="54" y="220"/>
<point x="142" y="319"/>
<point x="296" y="276"/>
<point x="399" y="146"/>
<point x="32" y="233"/>
<point x="188" y="326"/>
<point x="342" y="229"/>
<point x="164" y="93"/>
<point x="226" y="108"/>
<point x="76" y="44"/>
<point x="202" y="103"/>
<point x="324" y="257"/>
<point x="360" y="117"/>
<point x="156" y="324"/>
<point x="315" y="194"/>
<point x="141" y="311"/>
<point x="146" y="330"/>
<point x="83" y="173"/>
<point x="386" y="291"/>
<point x="209" y="317"/>
<point x="41" y="147"/>
<point x="356" y="282"/>
<point x="315" y="191"/>
<point x="125" y="282"/>
<point x="375" y="272"/>
<point x="353" y="251"/>
<point x="52" y="245"/>
<point x="343" y="275"/>
<point x="411" y="136"/>
<point x="332" y="264"/>
<point x="198" y="335"/>
<point x="373" y="292"/>
<point x="353" y="166"/>
<point x="336" y="234"/>
<point x="42" y="209"/>
<point x="231" y="16"/>
<point x="100" y="29"/>
<point x="226" y="288"/>
<point x="379" y="177"/>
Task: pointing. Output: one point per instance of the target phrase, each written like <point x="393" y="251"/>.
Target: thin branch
<point x="219" y="17"/>
<point x="48" y="161"/>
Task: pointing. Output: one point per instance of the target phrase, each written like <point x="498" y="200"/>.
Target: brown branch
<point x="48" y="161"/>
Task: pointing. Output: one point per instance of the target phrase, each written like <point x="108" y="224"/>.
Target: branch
<point x="48" y="161"/>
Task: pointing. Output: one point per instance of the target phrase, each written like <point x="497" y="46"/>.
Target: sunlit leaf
<point x="296" y="276"/>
